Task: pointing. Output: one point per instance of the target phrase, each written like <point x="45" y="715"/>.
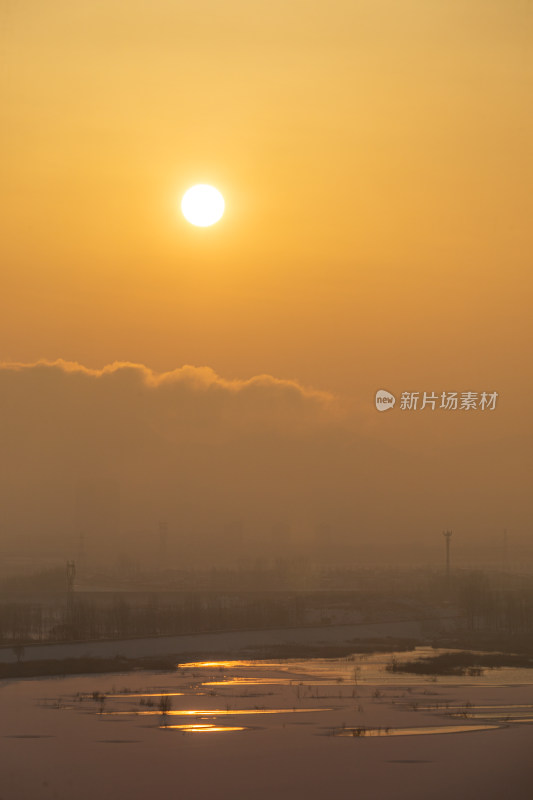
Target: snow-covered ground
<point x="263" y="730"/>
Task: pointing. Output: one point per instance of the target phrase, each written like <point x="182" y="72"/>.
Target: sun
<point x="202" y="205"/>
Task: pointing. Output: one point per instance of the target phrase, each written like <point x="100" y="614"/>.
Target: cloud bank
<point x="109" y="452"/>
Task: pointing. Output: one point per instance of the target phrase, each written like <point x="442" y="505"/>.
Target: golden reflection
<point x="258" y="682"/>
<point x="203" y="728"/>
<point x="146" y="694"/>
<point x="206" y="712"/>
<point x="217" y="664"/>
<point x="217" y="712"/>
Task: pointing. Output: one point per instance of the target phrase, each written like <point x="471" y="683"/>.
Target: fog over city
<point x="238" y="470"/>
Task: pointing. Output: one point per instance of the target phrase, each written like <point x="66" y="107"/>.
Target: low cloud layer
<point x="107" y="453"/>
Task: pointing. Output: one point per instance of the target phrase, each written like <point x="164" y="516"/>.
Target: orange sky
<point x="376" y="162"/>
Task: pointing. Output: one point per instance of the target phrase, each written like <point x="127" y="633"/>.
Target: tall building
<point x="97" y="521"/>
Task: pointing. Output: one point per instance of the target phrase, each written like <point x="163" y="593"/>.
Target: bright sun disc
<point x="202" y="205"/>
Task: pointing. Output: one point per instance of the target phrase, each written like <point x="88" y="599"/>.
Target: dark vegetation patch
<point x="356" y="647"/>
<point x="462" y="663"/>
<point x="82" y="666"/>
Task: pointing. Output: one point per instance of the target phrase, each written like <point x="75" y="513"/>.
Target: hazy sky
<point x="376" y="162"/>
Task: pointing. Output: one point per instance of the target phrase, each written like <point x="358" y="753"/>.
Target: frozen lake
<point x="315" y="728"/>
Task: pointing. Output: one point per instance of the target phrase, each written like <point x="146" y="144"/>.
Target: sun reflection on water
<point x="203" y="728"/>
<point x="216" y="712"/>
<point x="217" y="664"/>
